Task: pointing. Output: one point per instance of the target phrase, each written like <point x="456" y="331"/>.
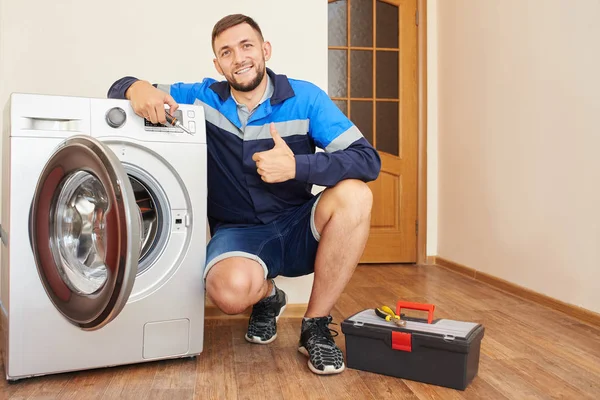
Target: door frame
<point x="422" y="132"/>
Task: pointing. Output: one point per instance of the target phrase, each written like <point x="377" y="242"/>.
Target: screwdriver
<point x="175" y="122"/>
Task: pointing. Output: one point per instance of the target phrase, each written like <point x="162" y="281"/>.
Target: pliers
<point x="389" y="315"/>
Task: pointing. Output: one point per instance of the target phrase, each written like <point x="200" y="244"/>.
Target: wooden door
<point x="373" y="80"/>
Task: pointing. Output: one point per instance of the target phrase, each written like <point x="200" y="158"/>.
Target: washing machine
<point x="103" y="235"/>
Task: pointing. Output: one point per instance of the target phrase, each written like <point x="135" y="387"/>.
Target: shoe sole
<point x="256" y="339"/>
<point x="329" y="369"/>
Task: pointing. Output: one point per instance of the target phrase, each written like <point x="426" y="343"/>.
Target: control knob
<point x="115" y="117"/>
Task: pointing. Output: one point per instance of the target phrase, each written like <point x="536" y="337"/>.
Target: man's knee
<point x="350" y="199"/>
<point x="354" y="197"/>
<point x="356" y="193"/>
<point x="233" y="283"/>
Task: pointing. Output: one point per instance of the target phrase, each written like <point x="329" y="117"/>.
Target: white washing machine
<point x="103" y="235"/>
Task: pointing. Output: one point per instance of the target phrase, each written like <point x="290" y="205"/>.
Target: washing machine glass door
<point x="85" y="232"/>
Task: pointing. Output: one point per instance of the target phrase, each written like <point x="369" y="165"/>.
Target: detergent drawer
<point x="443" y="352"/>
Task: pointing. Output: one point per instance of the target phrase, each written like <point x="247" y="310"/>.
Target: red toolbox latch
<point x="401" y="341"/>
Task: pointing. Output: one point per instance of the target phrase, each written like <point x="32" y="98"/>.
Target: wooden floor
<point x="528" y="352"/>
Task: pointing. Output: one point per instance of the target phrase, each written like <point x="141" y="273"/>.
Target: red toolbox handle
<point x="416" y="306"/>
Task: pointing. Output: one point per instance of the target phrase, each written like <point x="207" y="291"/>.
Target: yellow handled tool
<point x="389" y="315"/>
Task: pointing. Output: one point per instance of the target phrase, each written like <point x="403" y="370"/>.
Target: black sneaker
<point x="262" y="327"/>
<point x="316" y="342"/>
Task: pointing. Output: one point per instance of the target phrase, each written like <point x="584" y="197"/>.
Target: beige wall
<point x="432" y="128"/>
<point x="519" y="133"/>
<point x="74" y="47"/>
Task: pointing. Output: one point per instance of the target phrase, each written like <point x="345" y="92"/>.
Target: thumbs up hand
<point x="278" y="164"/>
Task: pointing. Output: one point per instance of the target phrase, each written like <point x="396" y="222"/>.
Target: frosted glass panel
<point x="337" y="25"/>
<point x="387" y="30"/>
<point x="362" y="116"/>
<point x="338" y="78"/>
<point x="387" y="127"/>
<point x="361" y="75"/>
<point x="387" y="74"/>
<point x="361" y="23"/>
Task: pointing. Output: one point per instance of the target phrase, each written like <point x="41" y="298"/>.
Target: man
<point x="262" y="129"/>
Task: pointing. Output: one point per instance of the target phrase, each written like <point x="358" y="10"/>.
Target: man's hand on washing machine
<point x="149" y="102"/>
<point x="278" y="164"/>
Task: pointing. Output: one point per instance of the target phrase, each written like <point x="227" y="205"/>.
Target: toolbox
<point x="441" y="352"/>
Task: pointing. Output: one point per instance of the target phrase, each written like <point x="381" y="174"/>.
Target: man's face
<point x="241" y="56"/>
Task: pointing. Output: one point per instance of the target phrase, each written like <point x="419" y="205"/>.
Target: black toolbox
<point x="441" y="352"/>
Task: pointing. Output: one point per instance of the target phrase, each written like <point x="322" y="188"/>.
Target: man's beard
<point x="260" y="73"/>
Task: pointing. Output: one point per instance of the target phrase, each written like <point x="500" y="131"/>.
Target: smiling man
<point x="262" y="130"/>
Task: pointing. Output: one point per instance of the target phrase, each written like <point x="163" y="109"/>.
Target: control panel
<point x="191" y="125"/>
<point x="115" y="117"/>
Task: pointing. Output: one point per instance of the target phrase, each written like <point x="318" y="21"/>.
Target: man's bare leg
<point x="236" y="283"/>
<point x="342" y="218"/>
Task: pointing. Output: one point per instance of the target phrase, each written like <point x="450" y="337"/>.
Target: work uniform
<point x="272" y="223"/>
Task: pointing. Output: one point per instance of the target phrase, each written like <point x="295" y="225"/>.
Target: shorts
<point x="286" y="246"/>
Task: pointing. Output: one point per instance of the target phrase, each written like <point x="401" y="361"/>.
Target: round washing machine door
<point x="84" y="230"/>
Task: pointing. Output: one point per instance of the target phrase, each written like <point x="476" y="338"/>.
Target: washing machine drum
<point x="152" y="215"/>
<point x="86" y="232"/>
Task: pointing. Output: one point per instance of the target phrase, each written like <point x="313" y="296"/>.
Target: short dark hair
<point x="232" y="20"/>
